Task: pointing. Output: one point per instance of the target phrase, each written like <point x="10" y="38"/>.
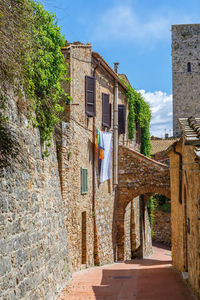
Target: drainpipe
<point x="115" y="127"/>
<point x="95" y="253"/>
<point x="180" y="172"/>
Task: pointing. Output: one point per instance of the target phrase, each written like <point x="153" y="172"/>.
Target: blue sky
<point x="136" y="33"/>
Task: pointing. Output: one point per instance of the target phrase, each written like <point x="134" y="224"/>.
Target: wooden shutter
<point x="84" y="184"/>
<point x="106" y="113"/>
<point x="121" y="119"/>
<point x="138" y="133"/>
<point x="110" y="114"/>
<point x="90" y="96"/>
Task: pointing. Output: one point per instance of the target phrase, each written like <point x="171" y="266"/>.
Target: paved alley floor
<point x="152" y="278"/>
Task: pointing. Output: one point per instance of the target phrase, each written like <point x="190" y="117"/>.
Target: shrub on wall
<point x="139" y="111"/>
<point x="40" y="66"/>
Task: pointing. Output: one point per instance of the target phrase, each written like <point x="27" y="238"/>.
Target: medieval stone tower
<point x="185" y="72"/>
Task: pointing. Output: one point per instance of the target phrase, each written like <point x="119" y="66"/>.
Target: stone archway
<point x="138" y="175"/>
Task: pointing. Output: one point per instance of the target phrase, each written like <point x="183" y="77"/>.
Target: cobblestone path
<point x="152" y="278"/>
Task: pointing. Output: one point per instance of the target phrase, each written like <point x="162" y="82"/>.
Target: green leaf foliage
<point x="139" y="111"/>
<point x="151" y="206"/>
<point x="46" y="70"/>
<point x="32" y="62"/>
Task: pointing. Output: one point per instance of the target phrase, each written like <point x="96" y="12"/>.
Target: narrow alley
<point x="152" y="278"/>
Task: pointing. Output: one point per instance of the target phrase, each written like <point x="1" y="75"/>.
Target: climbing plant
<point x="32" y="61"/>
<point x="139" y="111"/>
<point x="151" y="206"/>
<point x="46" y="70"/>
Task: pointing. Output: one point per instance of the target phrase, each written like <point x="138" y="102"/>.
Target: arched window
<point x="189" y="67"/>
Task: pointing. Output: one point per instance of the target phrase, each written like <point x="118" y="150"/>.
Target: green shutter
<point x="84" y="184"/>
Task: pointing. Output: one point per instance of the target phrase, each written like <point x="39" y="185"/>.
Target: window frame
<point x="106" y="115"/>
<point x="87" y="92"/>
<point x="84" y="181"/>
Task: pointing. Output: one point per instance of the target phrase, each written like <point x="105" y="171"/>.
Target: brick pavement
<point x="152" y="278"/>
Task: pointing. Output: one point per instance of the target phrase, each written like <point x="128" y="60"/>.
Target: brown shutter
<point x="121" y="119"/>
<point x="110" y="114"/>
<point x="90" y="96"/>
<point x="105" y="110"/>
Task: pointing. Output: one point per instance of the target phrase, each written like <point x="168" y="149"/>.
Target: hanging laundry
<point x="96" y="138"/>
<point x="101" y="145"/>
<point x="106" y="162"/>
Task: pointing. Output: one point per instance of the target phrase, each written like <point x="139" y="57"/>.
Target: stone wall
<point x="34" y="256"/>
<point x="185" y="216"/>
<point x="186" y="90"/>
<point x="138" y="175"/>
<point x="127" y="232"/>
<point x="177" y="215"/>
<point x="135" y="227"/>
<point x="162" y="227"/>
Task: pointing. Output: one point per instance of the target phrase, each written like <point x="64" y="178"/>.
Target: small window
<point x="90" y="96"/>
<point x="106" y="111"/>
<point x="189" y="67"/>
<point x="84" y="183"/>
<point x="121" y="119"/>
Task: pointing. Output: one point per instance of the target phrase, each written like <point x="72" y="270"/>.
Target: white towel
<point x="106" y="164"/>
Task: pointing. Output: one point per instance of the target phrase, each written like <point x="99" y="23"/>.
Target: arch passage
<point x="138" y="175"/>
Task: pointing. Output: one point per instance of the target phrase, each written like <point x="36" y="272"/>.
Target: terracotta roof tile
<point x="161" y="145"/>
<point x="191" y="130"/>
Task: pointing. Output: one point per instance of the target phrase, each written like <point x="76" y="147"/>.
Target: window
<point x="106" y="111"/>
<point x="84" y="185"/>
<point x="138" y="133"/>
<point x="121" y="119"/>
<point x="90" y="96"/>
<point x="189" y="67"/>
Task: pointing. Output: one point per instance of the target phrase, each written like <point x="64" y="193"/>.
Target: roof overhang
<point x="106" y="66"/>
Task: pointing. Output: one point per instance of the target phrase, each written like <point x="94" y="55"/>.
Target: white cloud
<point x="161" y="108"/>
<point x="123" y="23"/>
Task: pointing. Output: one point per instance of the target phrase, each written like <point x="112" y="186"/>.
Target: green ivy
<point x="151" y="206"/>
<point x="45" y="70"/>
<point x="131" y="111"/>
<point x="139" y="111"/>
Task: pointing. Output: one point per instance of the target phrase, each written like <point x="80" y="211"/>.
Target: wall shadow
<point x="154" y="283"/>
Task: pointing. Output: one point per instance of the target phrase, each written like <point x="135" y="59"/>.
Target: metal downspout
<point x="180" y="172"/>
<point x="95" y="251"/>
<point x="115" y="128"/>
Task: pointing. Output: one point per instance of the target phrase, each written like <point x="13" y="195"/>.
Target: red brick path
<point x="152" y="278"/>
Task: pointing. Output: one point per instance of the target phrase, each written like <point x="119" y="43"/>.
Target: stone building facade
<point x="185" y="201"/>
<point x="98" y="202"/>
<point x="49" y="227"/>
<point x="185" y="72"/>
<point x="56" y="216"/>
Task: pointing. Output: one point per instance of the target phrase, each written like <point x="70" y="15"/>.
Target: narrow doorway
<point x="84" y="248"/>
